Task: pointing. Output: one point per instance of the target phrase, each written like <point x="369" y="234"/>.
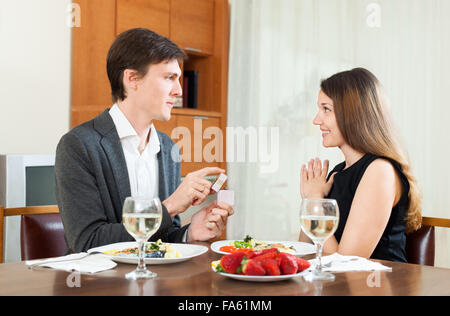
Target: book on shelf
<point x="185" y="91"/>
<point x="190" y="83"/>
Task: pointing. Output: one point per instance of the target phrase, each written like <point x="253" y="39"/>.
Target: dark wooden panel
<point x="192" y="24"/>
<point x="150" y="14"/>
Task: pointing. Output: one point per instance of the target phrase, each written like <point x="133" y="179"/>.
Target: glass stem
<point x="141" y="264"/>
<point x="319" y="257"/>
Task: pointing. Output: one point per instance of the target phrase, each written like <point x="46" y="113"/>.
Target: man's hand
<point x="209" y="222"/>
<point x="192" y="191"/>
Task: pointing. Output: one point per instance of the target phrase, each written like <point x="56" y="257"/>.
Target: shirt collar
<point x="125" y="129"/>
<point x="123" y="126"/>
<point x="153" y="143"/>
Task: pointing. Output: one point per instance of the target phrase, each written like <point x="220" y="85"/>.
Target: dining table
<point x="195" y="278"/>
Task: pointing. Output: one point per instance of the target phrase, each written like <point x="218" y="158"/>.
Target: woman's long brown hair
<point x="363" y="118"/>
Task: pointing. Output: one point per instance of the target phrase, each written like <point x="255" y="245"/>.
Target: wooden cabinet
<point x="200" y="27"/>
<point x="91" y="92"/>
<point x="198" y="148"/>
<point x="192" y="25"/>
<point x="199" y="137"/>
<point x="205" y="92"/>
<point x="189" y="23"/>
<point x="150" y="14"/>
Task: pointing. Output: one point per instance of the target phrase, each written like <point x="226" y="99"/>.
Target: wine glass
<point x="319" y="220"/>
<point x="141" y="217"/>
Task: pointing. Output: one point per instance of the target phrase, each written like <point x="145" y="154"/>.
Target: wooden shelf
<point x="193" y="112"/>
<point x="192" y="52"/>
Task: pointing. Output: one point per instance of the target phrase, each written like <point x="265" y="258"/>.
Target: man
<point x="120" y="153"/>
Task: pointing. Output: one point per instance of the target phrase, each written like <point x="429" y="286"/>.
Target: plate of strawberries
<point x="267" y="265"/>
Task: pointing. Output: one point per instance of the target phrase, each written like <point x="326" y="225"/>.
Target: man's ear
<point x="130" y="78"/>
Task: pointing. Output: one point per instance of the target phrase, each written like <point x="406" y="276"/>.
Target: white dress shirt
<point x="142" y="167"/>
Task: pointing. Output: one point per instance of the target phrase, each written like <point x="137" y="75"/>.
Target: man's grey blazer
<point x="92" y="183"/>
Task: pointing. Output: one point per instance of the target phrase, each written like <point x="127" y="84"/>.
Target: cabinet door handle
<point x="195" y="50"/>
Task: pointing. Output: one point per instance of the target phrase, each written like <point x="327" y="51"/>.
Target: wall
<point x="35" y="55"/>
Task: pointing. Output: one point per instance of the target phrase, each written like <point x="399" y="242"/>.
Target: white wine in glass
<point x="141" y="217"/>
<point x="319" y="219"/>
<point x="141" y="226"/>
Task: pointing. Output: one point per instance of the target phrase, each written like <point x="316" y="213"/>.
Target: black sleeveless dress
<point x="393" y="241"/>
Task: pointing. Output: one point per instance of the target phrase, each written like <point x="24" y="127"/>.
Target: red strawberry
<point x="288" y="263"/>
<point x="230" y="263"/>
<point x="252" y="267"/>
<point x="271" y="267"/>
<point x="302" y="264"/>
<point x="255" y="254"/>
<point x="268" y="255"/>
<point x="278" y="259"/>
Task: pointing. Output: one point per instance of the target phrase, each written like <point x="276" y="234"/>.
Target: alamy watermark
<point x="373" y="19"/>
<point x="251" y="144"/>
<point x="73" y="18"/>
<point x="374" y="279"/>
<point x="74" y="279"/>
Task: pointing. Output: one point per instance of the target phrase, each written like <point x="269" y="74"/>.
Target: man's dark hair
<point x="137" y="49"/>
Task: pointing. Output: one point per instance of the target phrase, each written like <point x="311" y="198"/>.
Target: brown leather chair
<point x="420" y="245"/>
<point x="41" y="231"/>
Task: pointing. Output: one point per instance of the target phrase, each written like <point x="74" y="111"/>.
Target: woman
<point x="378" y="197"/>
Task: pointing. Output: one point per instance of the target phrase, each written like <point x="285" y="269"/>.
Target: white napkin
<point x="77" y="262"/>
<point x="340" y="263"/>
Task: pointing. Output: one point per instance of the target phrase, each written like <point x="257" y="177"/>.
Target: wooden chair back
<point x="420" y="245"/>
<point x="42" y="232"/>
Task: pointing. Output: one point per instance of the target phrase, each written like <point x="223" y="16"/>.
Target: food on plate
<point x="252" y="267"/>
<point x="268" y="262"/>
<point x="231" y="263"/>
<point x="233" y="249"/>
<point x="152" y="250"/>
<point x="288" y="264"/>
<point x="249" y="244"/>
<point x="271" y="267"/>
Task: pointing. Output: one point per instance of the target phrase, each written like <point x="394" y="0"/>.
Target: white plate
<point x="259" y="278"/>
<point x="301" y="248"/>
<point x="187" y="252"/>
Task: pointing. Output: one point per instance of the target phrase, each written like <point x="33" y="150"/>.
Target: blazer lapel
<point x="113" y="150"/>
<point x="168" y="172"/>
<point x="118" y="164"/>
<point x="162" y="172"/>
